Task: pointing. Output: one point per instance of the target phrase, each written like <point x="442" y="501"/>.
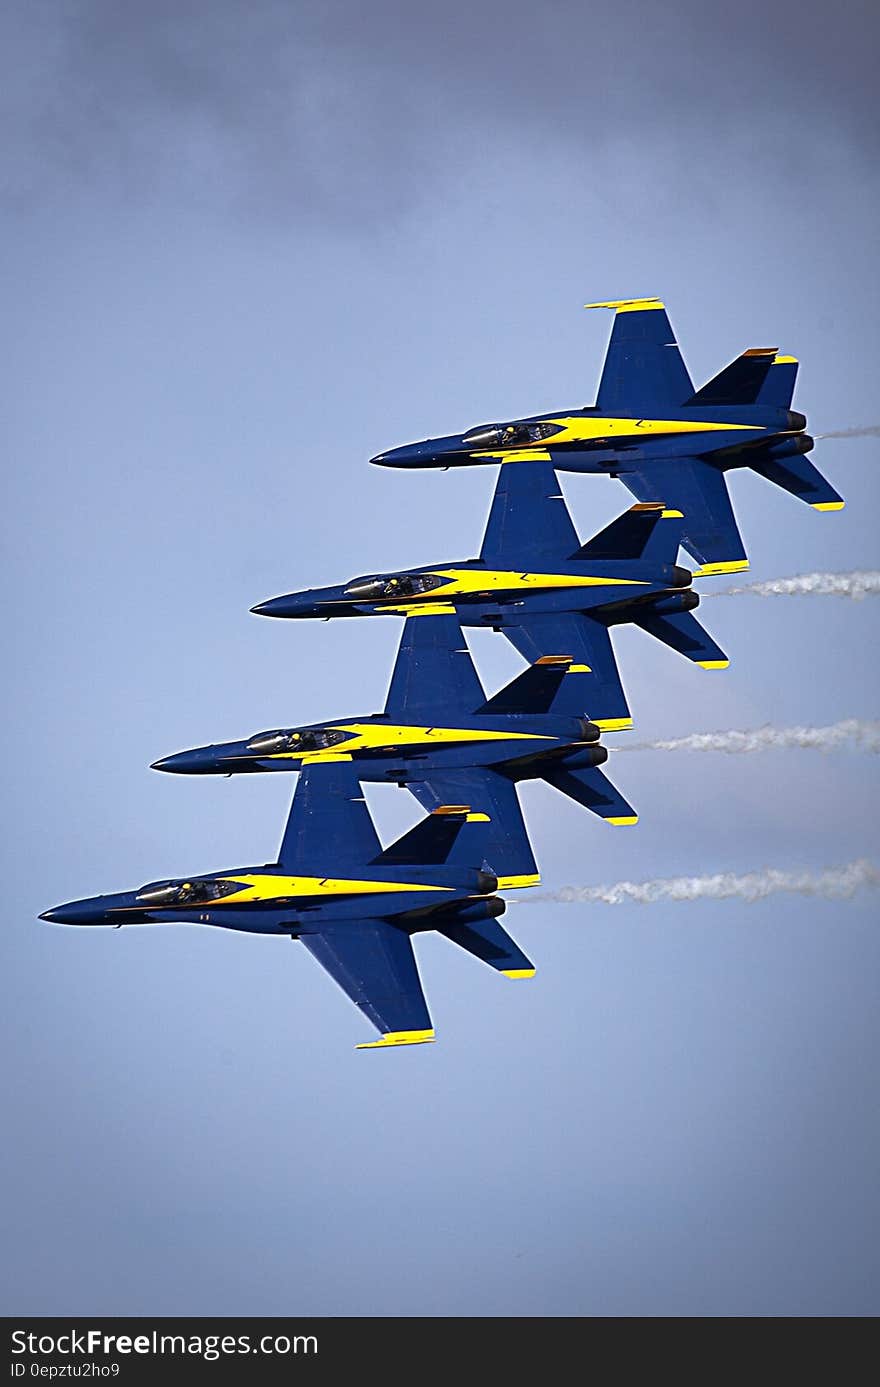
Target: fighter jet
<point x="354" y="905"/>
<point x="448" y="744"/>
<point x="664" y="440"/>
<point x="549" y="594"/>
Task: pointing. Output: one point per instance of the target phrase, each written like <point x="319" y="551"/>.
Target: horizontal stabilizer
<point x="534" y="690"/>
<point x="648" y="531"/>
<point x="683" y="633"/>
<point x="592" y="686"/>
<point x="374" y="964"/>
<point x="699" y="491"/>
<point x="595" y="792"/>
<point x="804" y="480"/>
<point x="490" y="942"/>
<point x="430" y="842"/>
<point x="739" y="383"/>
<point x="502" y="838"/>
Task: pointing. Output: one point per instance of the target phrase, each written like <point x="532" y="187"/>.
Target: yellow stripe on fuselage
<point x="258" y="887"/>
<point x="422" y="609"/>
<point x="468" y="581"/>
<point x="367" y="737"/>
<point x="573" y="429"/>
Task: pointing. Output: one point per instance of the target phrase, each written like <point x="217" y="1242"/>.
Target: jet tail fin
<point x="804" y="480"/>
<point x="429" y="843"/>
<point x="646" y="531"/>
<point x="489" y="941"/>
<point x="779" y="383"/>
<point x="741" y="382"/>
<point x="682" y="632"/>
<point x="534" y="690"/>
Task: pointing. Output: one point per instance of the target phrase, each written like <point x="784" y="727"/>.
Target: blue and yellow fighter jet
<point x="441" y="738"/>
<point x="549" y="594"/>
<point x="664" y="440"/>
<point x="355" y="905"/>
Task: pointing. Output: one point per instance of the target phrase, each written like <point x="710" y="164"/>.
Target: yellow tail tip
<point x="709" y="570"/>
<point x="518" y="972"/>
<point x="579" y="669"/>
<point x="624" y="819"/>
<point x="672" y="515"/>
<point x="627" y="305"/>
<point x="713" y="664"/>
<point x="513" y="883"/>
<point x="828" y="505"/>
<point x="612" y="724"/>
<point x="398" y="1038"/>
<point x="785" y="360"/>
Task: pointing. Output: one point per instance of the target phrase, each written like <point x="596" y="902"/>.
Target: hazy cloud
<point x="343" y="110"/>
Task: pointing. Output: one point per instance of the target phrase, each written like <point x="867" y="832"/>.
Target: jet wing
<point x="699" y="490"/>
<point x="529" y="523"/>
<point x="434" y="673"/>
<point x="374" y="964"/>
<point x="329" y="823"/>
<point x="506" y="848"/>
<point x="643" y="373"/>
<point x="592" y="686"/>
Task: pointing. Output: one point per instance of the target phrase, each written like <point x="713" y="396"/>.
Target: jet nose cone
<point x="408" y="456"/>
<point x="279" y="606"/>
<point x="187" y="762"/>
<point x="75" y="913"/>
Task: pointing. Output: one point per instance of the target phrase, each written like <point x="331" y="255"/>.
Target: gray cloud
<point x="343" y="110"/>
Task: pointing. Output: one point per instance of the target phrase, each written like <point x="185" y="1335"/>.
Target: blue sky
<point x="243" y="252"/>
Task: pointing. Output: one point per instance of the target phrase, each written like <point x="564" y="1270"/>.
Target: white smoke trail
<point x="857" y="585"/>
<point x="868" y="431"/>
<point x="861" y="733"/>
<point x="834" y="883"/>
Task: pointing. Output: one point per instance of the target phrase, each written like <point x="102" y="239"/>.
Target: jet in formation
<point x="357" y="906"/>
<point x="448" y="744"/>
<point x="354" y="905"/>
<point x="663" y="439"/>
<point x="551" y="595"/>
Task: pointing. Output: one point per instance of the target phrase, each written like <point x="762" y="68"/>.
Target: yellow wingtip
<point x="398" y="1038"/>
<point x="709" y="570"/>
<point x="712" y="664"/>
<point x="623" y="820"/>
<point x="627" y="305"/>
<point x="828" y="505"/>
<point x="518" y="972"/>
